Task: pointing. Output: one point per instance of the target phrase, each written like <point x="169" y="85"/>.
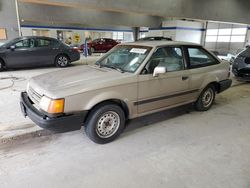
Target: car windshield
<point x="9" y="43"/>
<point x="125" y="58"/>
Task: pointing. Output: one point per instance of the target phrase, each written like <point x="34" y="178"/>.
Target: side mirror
<point x="159" y="70"/>
<point x="12" y="47"/>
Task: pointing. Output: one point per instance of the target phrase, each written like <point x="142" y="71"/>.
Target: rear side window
<point x="43" y="42"/>
<point x="198" y="57"/>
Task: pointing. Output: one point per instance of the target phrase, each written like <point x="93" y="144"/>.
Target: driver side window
<point x="26" y="43"/>
<point x="169" y="57"/>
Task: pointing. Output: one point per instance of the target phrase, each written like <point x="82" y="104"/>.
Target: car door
<point x="109" y="44"/>
<point x="168" y="89"/>
<point x="46" y="51"/>
<point x="100" y="46"/>
<point x="21" y="54"/>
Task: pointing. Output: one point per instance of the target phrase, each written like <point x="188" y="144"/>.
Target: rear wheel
<point x="206" y="99"/>
<point x="62" y="61"/>
<point x="89" y="52"/>
<point x="92" y="50"/>
<point x="105" y="123"/>
<point x="1" y="65"/>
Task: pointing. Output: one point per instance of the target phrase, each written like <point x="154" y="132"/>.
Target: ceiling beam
<point x="236" y="11"/>
<point x="85" y="5"/>
<point x="47" y="14"/>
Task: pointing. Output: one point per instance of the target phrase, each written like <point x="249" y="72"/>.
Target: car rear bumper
<point x="59" y="124"/>
<point x="75" y="56"/>
<point x="225" y="84"/>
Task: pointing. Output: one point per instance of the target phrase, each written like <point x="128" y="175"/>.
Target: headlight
<point x="52" y="106"/>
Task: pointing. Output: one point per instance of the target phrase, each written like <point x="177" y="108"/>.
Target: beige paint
<point x="85" y="87"/>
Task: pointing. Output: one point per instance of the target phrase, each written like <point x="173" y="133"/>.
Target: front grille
<point x="34" y="96"/>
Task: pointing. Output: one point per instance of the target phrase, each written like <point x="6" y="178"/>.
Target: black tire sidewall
<point x="93" y="117"/>
<point x="57" y="58"/>
<point x="92" y="49"/>
<point x="89" y="52"/>
<point x="199" y="104"/>
<point x="2" y="65"/>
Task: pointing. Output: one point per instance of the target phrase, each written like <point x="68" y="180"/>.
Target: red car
<point x="100" y="45"/>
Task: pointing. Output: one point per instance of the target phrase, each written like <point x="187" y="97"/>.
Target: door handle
<point x="185" y="77"/>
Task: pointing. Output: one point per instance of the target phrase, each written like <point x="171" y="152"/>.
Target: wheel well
<point x="2" y="61"/>
<point x="216" y="86"/>
<point x="64" y="55"/>
<point x="118" y="102"/>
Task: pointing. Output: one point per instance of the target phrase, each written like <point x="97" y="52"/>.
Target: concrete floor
<point x="179" y="148"/>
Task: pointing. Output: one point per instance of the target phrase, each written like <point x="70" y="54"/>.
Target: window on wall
<point x="229" y="35"/>
<point x="118" y="35"/>
<point x="43" y="33"/>
<point x="3" y="35"/>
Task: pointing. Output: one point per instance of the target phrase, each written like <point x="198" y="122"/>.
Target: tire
<point x="105" y="123"/>
<point x="1" y="65"/>
<point x="92" y="50"/>
<point x="89" y="52"/>
<point x="206" y="99"/>
<point x="62" y="61"/>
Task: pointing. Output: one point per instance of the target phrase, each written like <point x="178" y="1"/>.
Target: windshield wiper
<point x="112" y="67"/>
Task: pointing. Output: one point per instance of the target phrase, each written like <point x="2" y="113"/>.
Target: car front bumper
<point x="60" y="123"/>
<point x="242" y="74"/>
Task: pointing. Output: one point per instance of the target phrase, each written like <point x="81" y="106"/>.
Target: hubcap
<point x="207" y="98"/>
<point x="62" y="61"/>
<point x="108" y="124"/>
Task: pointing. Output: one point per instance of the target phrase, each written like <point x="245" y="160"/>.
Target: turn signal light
<point x="56" y="106"/>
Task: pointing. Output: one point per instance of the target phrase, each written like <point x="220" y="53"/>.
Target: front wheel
<point x="1" y="65"/>
<point x="62" y="61"/>
<point x="206" y="99"/>
<point x="105" y="123"/>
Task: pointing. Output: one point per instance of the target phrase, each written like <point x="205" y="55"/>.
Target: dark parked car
<point x="36" y="51"/>
<point x="100" y="45"/>
<point x="155" y="38"/>
<point x="241" y="65"/>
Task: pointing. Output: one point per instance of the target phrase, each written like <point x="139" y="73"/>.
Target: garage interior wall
<point x="121" y="35"/>
<point x="8" y="19"/>
<point x="248" y="36"/>
<point x="225" y="37"/>
<point x="178" y="30"/>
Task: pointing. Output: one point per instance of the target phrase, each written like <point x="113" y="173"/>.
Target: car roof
<point x="34" y="37"/>
<point x="161" y="43"/>
<point x="152" y="38"/>
<point x="103" y="38"/>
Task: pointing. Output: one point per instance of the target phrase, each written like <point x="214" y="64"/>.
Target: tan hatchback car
<point x="130" y="81"/>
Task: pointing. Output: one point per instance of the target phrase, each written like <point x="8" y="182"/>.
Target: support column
<point x="136" y="31"/>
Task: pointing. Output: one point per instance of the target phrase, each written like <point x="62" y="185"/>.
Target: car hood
<point x="76" y="80"/>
